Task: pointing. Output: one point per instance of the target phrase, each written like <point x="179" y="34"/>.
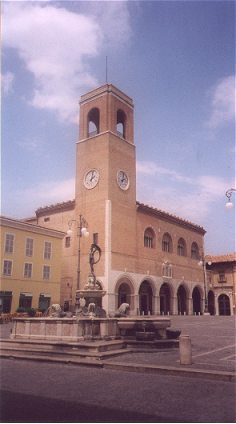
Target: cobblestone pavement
<point x="42" y="392"/>
<point x="213" y="344"/>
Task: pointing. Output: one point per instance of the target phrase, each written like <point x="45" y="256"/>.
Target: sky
<point x="175" y="59"/>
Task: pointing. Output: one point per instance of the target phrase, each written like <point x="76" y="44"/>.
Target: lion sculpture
<point x="123" y="310"/>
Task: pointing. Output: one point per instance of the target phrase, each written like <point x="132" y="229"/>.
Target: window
<point x="9" y="242"/>
<point x="25" y="300"/>
<point x="194" y="251"/>
<point x="67" y="241"/>
<point x="222" y="278"/>
<point x="149" y="238"/>
<point x="46" y="272"/>
<point x="28" y="270"/>
<point x="181" y="248"/>
<point x="29" y="247"/>
<point x="167" y="243"/>
<point x="47" y="250"/>
<point x="7" y="268"/>
<point x="167" y="270"/>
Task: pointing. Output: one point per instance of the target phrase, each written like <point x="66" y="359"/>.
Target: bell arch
<point x="93" y="122"/>
<point x="121" y="123"/>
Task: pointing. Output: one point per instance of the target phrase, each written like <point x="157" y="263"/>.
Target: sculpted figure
<point x="55" y="311"/>
<point x="123" y="310"/>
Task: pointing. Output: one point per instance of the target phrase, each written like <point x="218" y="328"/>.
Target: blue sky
<point x="175" y="59"/>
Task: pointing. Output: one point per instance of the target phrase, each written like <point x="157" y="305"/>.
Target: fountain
<point x="91" y="331"/>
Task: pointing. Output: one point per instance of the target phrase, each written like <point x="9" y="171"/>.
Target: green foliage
<point x="31" y="312"/>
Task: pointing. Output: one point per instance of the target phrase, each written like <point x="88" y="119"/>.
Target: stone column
<point x="136" y="305"/>
<point x="174" y="305"/>
<point x="216" y="305"/>
<point x="156" y="304"/>
<point x="190" y="306"/>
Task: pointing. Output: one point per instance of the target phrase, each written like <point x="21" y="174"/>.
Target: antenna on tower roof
<point x="106" y="70"/>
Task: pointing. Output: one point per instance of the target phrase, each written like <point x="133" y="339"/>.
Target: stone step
<point x="95" y="349"/>
<point x="66" y="356"/>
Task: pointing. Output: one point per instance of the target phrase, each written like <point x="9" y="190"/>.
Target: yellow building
<point x="150" y="258"/>
<point x="221" y="273"/>
<point x="31" y="265"/>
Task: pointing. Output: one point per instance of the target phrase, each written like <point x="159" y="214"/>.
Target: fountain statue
<point x="89" y="298"/>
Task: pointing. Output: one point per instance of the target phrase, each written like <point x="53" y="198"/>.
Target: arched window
<point x="167" y="270"/>
<point x="149" y="238"/>
<point x="167" y="245"/>
<point x="181" y="248"/>
<point x="194" y="251"/>
<point x="121" y="123"/>
<point x="93" y="122"/>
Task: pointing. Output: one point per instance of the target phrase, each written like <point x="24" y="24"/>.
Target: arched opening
<point x="167" y="245"/>
<point x="93" y="122"/>
<point x="194" y="251"/>
<point x="124" y="294"/>
<point x="121" y="123"/>
<point x="145" y="298"/>
<point x="181" y="247"/>
<point x="211" y="303"/>
<point x="165" y="296"/>
<point x="182" y="300"/>
<point x="224" y="304"/>
<point x="196" y="296"/>
<point x="149" y="238"/>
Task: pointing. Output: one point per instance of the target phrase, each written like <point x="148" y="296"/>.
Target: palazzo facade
<point x="150" y="258"/>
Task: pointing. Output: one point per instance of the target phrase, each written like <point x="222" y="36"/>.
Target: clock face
<point x="91" y="178"/>
<point x="122" y="180"/>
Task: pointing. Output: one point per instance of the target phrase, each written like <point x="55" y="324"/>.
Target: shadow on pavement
<point x="18" y="407"/>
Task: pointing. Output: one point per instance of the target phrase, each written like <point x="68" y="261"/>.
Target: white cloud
<point x="55" y="44"/>
<point x="43" y="194"/>
<point x="191" y="198"/>
<point x="222" y="103"/>
<point x="7" y="81"/>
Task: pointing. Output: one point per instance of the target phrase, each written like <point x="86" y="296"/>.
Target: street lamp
<point x="229" y="204"/>
<point x="203" y="263"/>
<point x="82" y="231"/>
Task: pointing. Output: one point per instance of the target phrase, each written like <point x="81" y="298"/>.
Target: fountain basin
<point x="131" y="327"/>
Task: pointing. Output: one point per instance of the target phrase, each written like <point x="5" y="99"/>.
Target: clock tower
<point x="106" y="183"/>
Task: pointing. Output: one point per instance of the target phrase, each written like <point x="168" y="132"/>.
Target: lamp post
<point x="82" y="231"/>
<point x="203" y="263"/>
<point x="229" y="204"/>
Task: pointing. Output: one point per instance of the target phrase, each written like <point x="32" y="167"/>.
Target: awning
<point x="26" y="294"/>
<point x="45" y="295"/>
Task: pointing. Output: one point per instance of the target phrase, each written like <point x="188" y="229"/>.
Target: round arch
<point x="145" y="298"/>
<point x="182" y="295"/>
<point x="224" y="304"/>
<point x="124" y="291"/>
<point x="165" y="299"/>
<point x="196" y="296"/>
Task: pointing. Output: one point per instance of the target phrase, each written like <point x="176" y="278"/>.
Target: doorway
<point x="224" y="305"/>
